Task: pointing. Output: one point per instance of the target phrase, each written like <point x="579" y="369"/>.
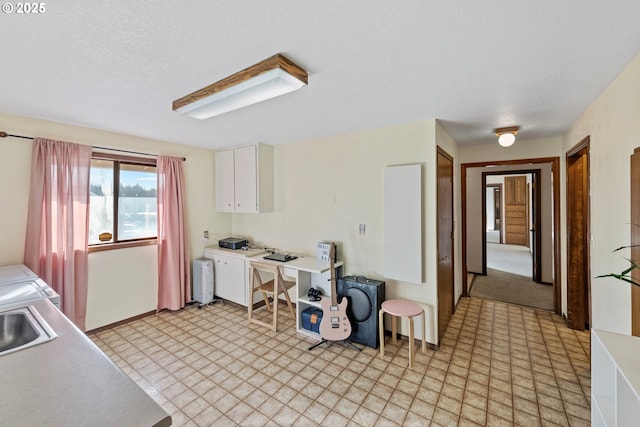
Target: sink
<point x="22" y="328"/>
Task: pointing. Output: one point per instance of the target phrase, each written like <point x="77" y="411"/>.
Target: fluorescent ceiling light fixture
<point x="267" y="79"/>
<point x="507" y="136"/>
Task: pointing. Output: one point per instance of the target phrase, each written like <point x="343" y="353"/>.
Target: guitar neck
<point x="332" y="266"/>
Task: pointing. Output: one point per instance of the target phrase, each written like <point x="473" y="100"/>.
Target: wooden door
<point x="445" y="240"/>
<point x="635" y="240"/>
<point x="578" y="282"/>
<point x="516" y="205"/>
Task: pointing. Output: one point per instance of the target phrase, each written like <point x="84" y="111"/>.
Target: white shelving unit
<point x="615" y="379"/>
<point x="307" y="280"/>
<point x="307" y="271"/>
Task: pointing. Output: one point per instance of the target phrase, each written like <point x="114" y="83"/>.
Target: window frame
<point x="118" y="160"/>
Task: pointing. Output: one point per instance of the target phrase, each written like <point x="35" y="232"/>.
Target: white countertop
<point x="303" y="263"/>
<point x="239" y="253"/>
<point x="69" y="382"/>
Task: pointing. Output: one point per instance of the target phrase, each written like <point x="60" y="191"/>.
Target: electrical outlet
<point x="206" y="234"/>
<point x="362" y="229"/>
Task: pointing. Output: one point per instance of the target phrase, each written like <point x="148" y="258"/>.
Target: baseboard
<point x="120" y="322"/>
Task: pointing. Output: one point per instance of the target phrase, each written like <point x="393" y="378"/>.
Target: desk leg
<point x="381" y="331"/>
<point x="411" y="343"/>
<point x="250" y="305"/>
<point x="274" y="312"/>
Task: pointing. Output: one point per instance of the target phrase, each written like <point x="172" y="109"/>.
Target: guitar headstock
<point x="332" y="253"/>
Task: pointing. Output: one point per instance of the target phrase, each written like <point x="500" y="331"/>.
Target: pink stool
<point x="401" y="308"/>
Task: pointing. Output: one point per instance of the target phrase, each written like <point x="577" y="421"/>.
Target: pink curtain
<point x="174" y="275"/>
<point x="57" y="222"/>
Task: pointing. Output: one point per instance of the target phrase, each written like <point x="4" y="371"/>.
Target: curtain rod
<point x="5" y="134"/>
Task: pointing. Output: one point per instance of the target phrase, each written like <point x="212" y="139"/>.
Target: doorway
<point x="444" y="208"/>
<point x="578" y="231"/>
<point x="472" y="224"/>
<point x="493" y="197"/>
<point x="519" y="251"/>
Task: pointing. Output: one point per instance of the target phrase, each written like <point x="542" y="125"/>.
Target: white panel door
<point x="225" y="181"/>
<point x="246" y="179"/>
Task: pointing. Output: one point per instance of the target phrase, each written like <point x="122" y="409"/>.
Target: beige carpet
<point x="514" y="289"/>
<point x="510" y="258"/>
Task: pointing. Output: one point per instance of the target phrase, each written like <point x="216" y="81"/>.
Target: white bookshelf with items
<point x="615" y="379"/>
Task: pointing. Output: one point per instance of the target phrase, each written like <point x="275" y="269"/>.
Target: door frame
<point x="576" y="152"/>
<point x="555" y="188"/>
<point x="635" y="239"/>
<point x="537" y="196"/>
<point x="501" y="208"/>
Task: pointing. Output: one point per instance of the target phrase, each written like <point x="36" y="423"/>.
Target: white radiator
<point x="203" y="280"/>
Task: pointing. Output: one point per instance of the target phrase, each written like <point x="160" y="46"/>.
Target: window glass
<point x="137" y="202"/>
<point x="101" y="201"/>
<point x="123" y="201"/>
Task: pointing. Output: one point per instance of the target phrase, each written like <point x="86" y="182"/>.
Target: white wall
<point x="326" y="187"/>
<point x="122" y="283"/>
<point x="613" y="124"/>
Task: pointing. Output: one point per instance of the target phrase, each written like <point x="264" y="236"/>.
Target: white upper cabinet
<point x="244" y="179"/>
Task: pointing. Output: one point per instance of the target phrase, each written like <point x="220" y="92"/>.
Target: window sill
<point x="122" y="245"/>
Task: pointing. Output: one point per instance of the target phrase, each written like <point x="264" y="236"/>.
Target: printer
<point x="232" y="243"/>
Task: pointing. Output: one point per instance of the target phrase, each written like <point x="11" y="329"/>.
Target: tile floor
<point x="498" y="364"/>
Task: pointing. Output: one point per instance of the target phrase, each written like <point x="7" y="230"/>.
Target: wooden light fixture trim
<point x="510" y="129"/>
<point x="276" y="61"/>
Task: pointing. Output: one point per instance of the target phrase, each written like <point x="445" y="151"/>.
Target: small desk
<point x="307" y="271"/>
<point x="302" y="263"/>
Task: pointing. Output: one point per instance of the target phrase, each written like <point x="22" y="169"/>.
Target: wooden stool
<point x="401" y="308"/>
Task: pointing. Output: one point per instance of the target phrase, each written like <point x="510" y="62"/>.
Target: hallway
<point x="510" y="258"/>
<point x="509" y="280"/>
<point x="498" y="364"/>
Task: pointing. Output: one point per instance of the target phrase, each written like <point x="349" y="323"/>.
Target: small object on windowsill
<point x="105" y="237"/>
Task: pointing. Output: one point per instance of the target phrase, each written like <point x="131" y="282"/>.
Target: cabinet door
<point x="235" y="285"/>
<point x="229" y="279"/>
<point x="225" y="181"/>
<point x="246" y="179"/>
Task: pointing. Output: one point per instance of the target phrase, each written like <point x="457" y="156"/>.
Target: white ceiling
<point x="474" y="65"/>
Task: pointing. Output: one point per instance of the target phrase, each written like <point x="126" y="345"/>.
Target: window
<point x="123" y="201"/>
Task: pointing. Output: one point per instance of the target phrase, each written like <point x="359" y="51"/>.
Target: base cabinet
<point x="615" y="379"/>
<point x="231" y="273"/>
<point x="229" y="279"/>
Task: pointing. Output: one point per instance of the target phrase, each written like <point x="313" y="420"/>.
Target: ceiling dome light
<point x="506" y="139"/>
<point x="507" y="136"/>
